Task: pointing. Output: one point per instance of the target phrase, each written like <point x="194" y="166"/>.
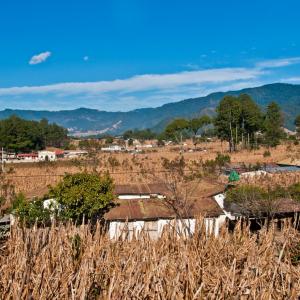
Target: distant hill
<point x="93" y="121"/>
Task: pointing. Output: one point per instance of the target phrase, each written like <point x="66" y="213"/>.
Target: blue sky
<point x="121" y="55"/>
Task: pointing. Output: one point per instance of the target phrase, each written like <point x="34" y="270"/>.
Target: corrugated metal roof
<point x="198" y="202"/>
<point x="280" y="206"/>
<point x="290" y="162"/>
<point x="142" y="188"/>
<point x="138" y="209"/>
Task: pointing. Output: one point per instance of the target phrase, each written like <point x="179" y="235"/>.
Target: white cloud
<point x="140" y="83"/>
<point x="277" y="63"/>
<point x="39" y="58"/>
<point x="291" y="80"/>
<point x="86" y="58"/>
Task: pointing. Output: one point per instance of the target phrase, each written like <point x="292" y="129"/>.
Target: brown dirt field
<point x="125" y="168"/>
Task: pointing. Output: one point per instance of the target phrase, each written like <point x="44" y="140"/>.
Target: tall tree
<point x="227" y="121"/>
<point x="196" y="124"/>
<point x="297" y="124"/>
<point x="250" y="120"/>
<point x="176" y="129"/>
<point x="21" y="135"/>
<point x="273" y="123"/>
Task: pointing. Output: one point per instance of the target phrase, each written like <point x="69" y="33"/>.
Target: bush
<point x="30" y="212"/>
<point x="84" y="195"/>
<point x="267" y="153"/>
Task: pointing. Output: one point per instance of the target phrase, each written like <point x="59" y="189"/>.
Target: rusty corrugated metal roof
<point x="141" y="209"/>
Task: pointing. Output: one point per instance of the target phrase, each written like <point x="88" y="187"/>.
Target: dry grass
<point x="50" y="264"/>
<point x="32" y="179"/>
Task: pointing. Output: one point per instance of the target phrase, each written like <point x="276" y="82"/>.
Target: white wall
<point x="139" y="196"/>
<point x="119" y="229"/>
<point x="43" y="154"/>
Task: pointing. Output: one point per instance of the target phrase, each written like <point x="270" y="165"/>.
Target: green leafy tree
<point x="84" y="195"/>
<point x="227" y="121"/>
<point x="196" y="124"/>
<point x="250" y="120"/>
<point x="31" y="212"/>
<point x="176" y="130"/>
<point x="297" y="124"/>
<point x="21" y="135"/>
<point x="273" y="123"/>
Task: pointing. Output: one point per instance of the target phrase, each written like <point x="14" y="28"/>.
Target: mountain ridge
<point x="87" y="119"/>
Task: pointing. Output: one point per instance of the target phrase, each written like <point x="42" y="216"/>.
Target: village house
<point x="278" y="210"/>
<point x="144" y="208"/>
<point x="27" y="157"/>
<point x="50" y="155"/>
<point x="113" y="148"/>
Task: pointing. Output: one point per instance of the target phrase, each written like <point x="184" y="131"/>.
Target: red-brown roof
<point x="27" y="155"/>
<point x="137" y="189"/>
<point x="141" y="209"/>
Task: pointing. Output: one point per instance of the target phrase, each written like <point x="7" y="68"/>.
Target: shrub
<point x="83" y="195"/>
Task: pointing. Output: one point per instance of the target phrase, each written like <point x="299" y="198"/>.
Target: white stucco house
<point x="143" y="208"/>
<point x="47" y="155"/>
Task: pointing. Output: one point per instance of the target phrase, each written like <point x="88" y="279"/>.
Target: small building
<point x="27" y="156"/>
<point x="289" y="162"/>
<point x="145" y="208"/>
<point x="75" y="153"/>
<point x="47" y="155"/>
<point x="113" y="148"/>
<point x="141" y="191"/>
<point x="256" y="217"/>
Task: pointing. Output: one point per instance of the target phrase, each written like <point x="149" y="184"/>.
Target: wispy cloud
<point x="140" y="83"/>
<point x="291" y="80"/>
<point x="277" y="63"/>
<point x="39" y="58"/>
<point x="86" y="58"/>
<point x="147" y="90"/>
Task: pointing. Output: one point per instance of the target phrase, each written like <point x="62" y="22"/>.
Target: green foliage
<point x="273" y="125"/>
<point x="245" y="193"/>
<point x="84" y="195"/>
<point x="176" y="129"/>
<point x="256" y="200"/>
<point x="294" y="191"/>
<point x="222" y="159"/>
<point x="238" y="119"/>
<point x="142" y="135"/>
<point x="21" y="135"/>
<point x="109" y="140"/>
<point x="197" y="123"/>
<point x="297" y="124"/>
<point x="30" y="212"/>
<point x="227" y="121"/>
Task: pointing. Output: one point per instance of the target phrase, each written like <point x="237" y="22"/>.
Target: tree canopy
<point x="297" y="124"/>
<point x="21" y="135"/>
<point x="273" y="123"/>
<point x="239" y="119"/>
<point x="84" y="195"/>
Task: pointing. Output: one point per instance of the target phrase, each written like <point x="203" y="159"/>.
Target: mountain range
<point x="84" y="121"/>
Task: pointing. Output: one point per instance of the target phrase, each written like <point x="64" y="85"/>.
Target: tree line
<point x="19" y="135"/>
<point x="239" y="121"/>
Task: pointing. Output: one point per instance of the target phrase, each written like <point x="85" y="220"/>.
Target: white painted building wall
<point x="47" y="155"/>
<point x="140" y="196"/>
<point x="119" y="229"/>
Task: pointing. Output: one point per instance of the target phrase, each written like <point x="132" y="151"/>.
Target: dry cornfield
<point x="69" y="262"/>
<point x="125" y="168"/>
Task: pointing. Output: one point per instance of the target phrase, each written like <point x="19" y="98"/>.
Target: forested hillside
<point x="83" y="119"/>
<point x="21" y="135"/>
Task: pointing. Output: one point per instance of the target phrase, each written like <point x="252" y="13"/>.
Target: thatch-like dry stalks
<point x="69" y="262"/>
